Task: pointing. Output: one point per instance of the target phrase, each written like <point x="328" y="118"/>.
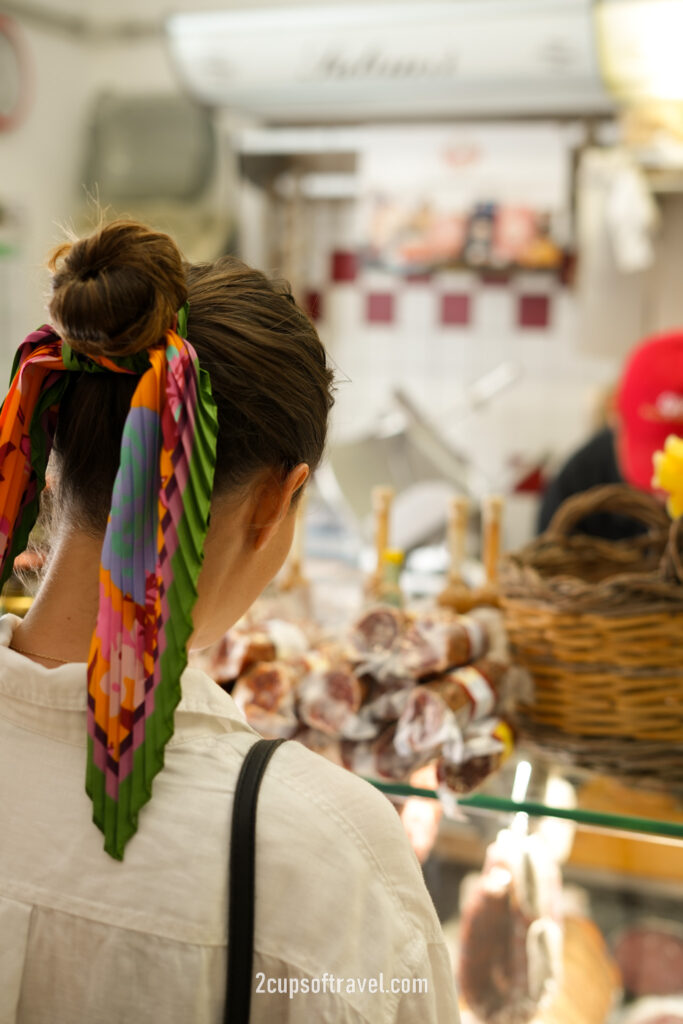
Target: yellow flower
<point x="674" y="506"/>
<point x="668" y="466"/>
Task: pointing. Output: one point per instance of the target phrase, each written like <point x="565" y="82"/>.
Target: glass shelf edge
<point x="481" y="801"/>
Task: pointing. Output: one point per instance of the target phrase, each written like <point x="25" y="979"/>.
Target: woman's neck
<point x="62" y="618"/>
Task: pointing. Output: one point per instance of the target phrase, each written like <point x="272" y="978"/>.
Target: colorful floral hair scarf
<point x="151" y="556"/>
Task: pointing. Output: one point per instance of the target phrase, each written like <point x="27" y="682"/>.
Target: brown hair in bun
<point x="116" y="292"/>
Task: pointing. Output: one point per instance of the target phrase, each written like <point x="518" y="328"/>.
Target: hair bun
<point x="116" y="292"/>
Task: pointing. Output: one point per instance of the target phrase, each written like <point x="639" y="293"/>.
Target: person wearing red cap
<point x="648" y="407"/>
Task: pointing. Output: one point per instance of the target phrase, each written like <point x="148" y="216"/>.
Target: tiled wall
<point x="434" y="336"/>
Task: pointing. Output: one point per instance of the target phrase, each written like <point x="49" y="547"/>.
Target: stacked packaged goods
<point x="398" y="690"/>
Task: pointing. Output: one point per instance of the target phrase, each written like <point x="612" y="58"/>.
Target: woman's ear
<point x="272" y="504"/>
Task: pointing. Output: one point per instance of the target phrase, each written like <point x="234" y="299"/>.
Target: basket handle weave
<point x="672" y="562"/>
<point x="615" y="498"/>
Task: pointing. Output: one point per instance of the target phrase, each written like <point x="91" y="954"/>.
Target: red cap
<point x="650" y="404"/>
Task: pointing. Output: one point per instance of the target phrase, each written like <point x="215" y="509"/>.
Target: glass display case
<point x="620" y="853"/>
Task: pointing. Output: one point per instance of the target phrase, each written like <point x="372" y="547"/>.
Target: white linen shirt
<point x="85" y="939"/>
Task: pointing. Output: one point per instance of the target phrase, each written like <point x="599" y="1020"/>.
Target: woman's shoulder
<point x="328" y="808"/>
<point x="338" y="825"/>
<point x="332" y="789"/>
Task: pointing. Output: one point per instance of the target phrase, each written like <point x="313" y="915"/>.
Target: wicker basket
<point x="599" y="625"/>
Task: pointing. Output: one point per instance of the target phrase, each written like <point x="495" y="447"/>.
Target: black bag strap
<point x="241" y="886"/>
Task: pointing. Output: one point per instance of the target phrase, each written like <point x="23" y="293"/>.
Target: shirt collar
<point x="54" y="700"/>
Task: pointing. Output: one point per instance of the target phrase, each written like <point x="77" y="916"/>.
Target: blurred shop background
<point x="480" y="202"/>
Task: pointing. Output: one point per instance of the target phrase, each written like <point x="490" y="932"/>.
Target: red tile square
<point x="379" y="308"/>
<point x="533" y="311"/>
<point x="344" y="265"/>
<point x="313" y="304"/>
<point x="531" y="483"/>
<point x="455" y="309"/>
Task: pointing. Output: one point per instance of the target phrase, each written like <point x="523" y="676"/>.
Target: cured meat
<point x="419" y="652"/>
<point x="379" y="758"/>
<point x="589" y="987"/>
<point x="385" y="700"/>
<point x="291" y="639"/>
<point x="438" y="713"/>
<point x="485" y="747"/>
<point x="494" y="967"/>
<point x="265" y="695"/>
<point x="393" y="686"/>
<point x="392" y="645"/>
<point x="319" y="743"/>
<point x="327" y="700"/>
<point x="237" y="651"/>
<point x="650" y="958"/>
<point x="425" y="725"/>
<point x="471" y="692"/>
<point x="376" y="630"/>
<point x="455" y="639"/>
<point x="246" y="644"/>
<point x="654" y="1010"/>
<point x="385" y="648"/>
<point x="510" y="953"/>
